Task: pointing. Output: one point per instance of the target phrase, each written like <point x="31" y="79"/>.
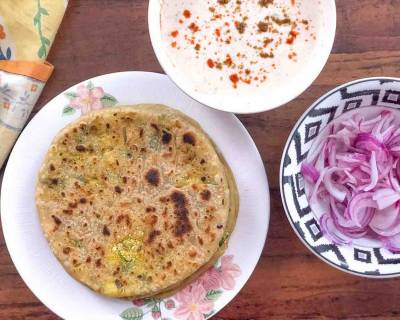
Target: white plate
<point x="43" y="273"/>
<point x="292" y="87"/>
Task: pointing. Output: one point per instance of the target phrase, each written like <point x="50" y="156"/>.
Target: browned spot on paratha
<point x="106" y="231"/>
<point x="166" y="137"/>
<point x="80" y="148"/>
<point x="153" y="177"/>
<point x="182" y="224"/>
<point x="153" y="234"/>
<point x="205" y="195"/>
<point x="56" y="220"/>
<point x="189" y="138"/>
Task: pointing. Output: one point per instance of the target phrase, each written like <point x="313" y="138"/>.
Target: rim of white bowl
<point x="235" y="104"/>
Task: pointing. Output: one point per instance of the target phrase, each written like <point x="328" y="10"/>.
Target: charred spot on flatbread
<point x="153" y="234"/>
<point x="182" y="224"/>
<point x="205" y="195"/>
<point x="189" y="138"/>
<point x="153" y="177"/>
<point x="166" y="137"/>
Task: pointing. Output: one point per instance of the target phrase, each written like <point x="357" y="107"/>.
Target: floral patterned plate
<point x="42" y="272"/>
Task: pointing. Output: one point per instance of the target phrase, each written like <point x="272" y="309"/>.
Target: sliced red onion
<point x="350" y="178"/>
<point x="387" y="134"/>
<point x="394" y="181"/>
<point x="359" y="174"/>
<point x="309" y="172"/>
<point x="331" y="149"/>
<point x="384" y="165"/>
<point x="384" y="219"/>
<point x="368" y="125"/>
<point x="361" y="209"/>
<point x="330" y="231"/>
<point x="354" y="172"/>
<point x="382" y="126"/>
<point x="392" y="243"/>
<point x="366" y="141"/>
<point x="343" y="223"/>
<point x="315" y="151"/>
<point x="314" y="192"/>
<point x="344" y="136"/>
<point x="319" y="163"/>
<point x="374" y="172"/>
<point x="387" y="223"/>
<point x="393" y="144"/>
<point x="351" y="123"/>
<point x="385" y="198"/>
<point x="398" y="169"/>
<point x="355" y="158"/>
<point x="395" y="151"/>
<point x="336" y="190"/>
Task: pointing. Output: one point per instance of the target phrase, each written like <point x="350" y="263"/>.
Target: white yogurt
<point x="241" y="47"/>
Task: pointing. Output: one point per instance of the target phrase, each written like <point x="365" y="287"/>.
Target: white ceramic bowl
<point x="287" y="91"/>
<point x="363" y="257"/>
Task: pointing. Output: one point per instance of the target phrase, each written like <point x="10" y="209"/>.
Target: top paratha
<point x="135" y="201"/>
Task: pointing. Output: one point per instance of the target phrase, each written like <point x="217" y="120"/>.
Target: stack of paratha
<point x="136" y="201"/>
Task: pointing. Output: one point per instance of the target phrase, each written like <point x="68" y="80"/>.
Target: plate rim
<point x="281" y="174"/>
<point x="161" y="58"/>
<point x="240" y="126"/>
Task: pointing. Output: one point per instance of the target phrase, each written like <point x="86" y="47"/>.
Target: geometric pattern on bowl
<point x="355" y="259"/>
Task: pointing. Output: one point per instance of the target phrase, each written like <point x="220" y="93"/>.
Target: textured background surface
<point x="100" y="36"/>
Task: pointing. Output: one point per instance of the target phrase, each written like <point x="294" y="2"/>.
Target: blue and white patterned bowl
<point x="360" y="260"/>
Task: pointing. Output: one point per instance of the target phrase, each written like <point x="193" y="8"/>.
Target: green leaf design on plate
<point x="155" y="308"/>
<point x="132" y="314"/>
<point x="209" y="315"/>
<point x="67" y="111"/>
<point x="90" y="85"/>
<point x="149" y="300"/>
<point x="213" y="294"/>
<point x="108" y="100"/>
<point x="70" y="94"/>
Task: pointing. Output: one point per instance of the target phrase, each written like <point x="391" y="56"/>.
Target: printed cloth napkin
<point x="27" y="31"/>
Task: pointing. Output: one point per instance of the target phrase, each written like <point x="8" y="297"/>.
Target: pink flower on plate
<point x="192" y="303"/>
<point x="87" y="99"/>
<point x="139" y="302"/>
<point x="156" y="314"/>
<point x="228" y="272"/>
<point x="211" y="279"/>
<point x="169" y="304"/>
